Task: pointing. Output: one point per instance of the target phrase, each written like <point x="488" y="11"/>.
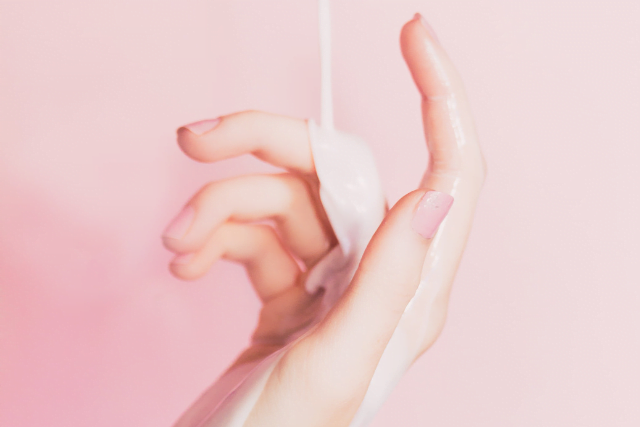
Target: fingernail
<point x="426" y="25"/>
<point x="180" y="224"/>
<point x="432" y="209"/>
<point x="183" y="259"/>
<point x="203" y="126"/>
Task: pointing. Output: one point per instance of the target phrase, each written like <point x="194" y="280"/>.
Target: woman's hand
<point x="321" y="378"/>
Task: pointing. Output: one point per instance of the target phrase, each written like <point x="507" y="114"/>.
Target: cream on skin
<point x="352" y="198"/>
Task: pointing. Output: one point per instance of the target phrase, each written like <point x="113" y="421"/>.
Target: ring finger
<point x="287" y="199"/>
<point x="269" y="266"/>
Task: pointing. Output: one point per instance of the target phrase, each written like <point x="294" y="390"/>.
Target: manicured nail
<point x="203" y="126"/>
<point x="183" y="259"/>
<point x="426" y="25"/>
<point x="432" y="209"/>
<point x="180" y="224"/>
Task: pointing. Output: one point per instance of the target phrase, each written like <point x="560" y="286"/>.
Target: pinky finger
<point x="269" y="266"/>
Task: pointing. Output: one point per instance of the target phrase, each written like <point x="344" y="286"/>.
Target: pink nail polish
<point x="202" y="126"/>
<point x="183" y="259"/>
<point x="180" y="224"/>
<point x="426" y="25"/>
<point x="432" y="209"/>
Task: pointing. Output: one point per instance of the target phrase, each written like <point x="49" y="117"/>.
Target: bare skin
<point x="321" y="379"/>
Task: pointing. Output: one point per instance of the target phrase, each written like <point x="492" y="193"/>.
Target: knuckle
<point x="263" y="236"/>
<point x="209" y="190"/>
<point x="295" y="190"/>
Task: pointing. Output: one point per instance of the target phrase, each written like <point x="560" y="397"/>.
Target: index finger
<point x="279" y="140"/>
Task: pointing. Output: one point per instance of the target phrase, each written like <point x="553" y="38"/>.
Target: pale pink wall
<point x="544" y="321"/>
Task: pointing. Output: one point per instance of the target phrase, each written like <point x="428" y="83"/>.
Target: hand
<point x="321" y="378"/>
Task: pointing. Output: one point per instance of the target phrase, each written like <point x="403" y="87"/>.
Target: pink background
<point x="544" y="320"/>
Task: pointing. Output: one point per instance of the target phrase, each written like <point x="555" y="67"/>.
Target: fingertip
<point x="188" y="143"/>
<point x="426" y="26"/>
<point x="188" y="243"/>
<point x="191" y="243"/>
<point x="201" y="127"/>
<point x="174" y="234"/>
<point x="414" y="30"/>
<point x="184" y="135"/>
<point x="183" y="267"/>
<point x="183" y="259"/>
<point x="168" y="244"/>
<point x="406" y="31"/>
<point x="428" y="63"/>
<point x="193" y="138"/>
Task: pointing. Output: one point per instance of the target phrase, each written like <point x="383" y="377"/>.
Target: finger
<point x="279" y="140"/>
<point x="269" y="265"/>
<point x="448" y="124"/>
<point x="456" y="166"/>
<point x="285" y="198"/>
<point x="341" y="354"/>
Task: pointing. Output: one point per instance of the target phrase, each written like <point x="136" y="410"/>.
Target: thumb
<point x="351" y="339"/>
